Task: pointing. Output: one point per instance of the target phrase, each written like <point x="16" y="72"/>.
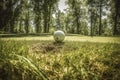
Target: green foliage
<point x="42" y="60"/>
<point x="97" y="9"/>
<point x="76" y="11"/>
<point x="86" y="17"/>
<point x="43" y="14"/>
<point x="9" y="12"/>
<point x="115" y="16"/>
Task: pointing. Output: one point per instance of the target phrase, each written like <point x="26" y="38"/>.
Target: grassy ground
<point x="72" y="37"/>
<point x="77" y="58"/>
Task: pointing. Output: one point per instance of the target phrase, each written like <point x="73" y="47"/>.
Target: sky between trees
<point x="62" y="5"/>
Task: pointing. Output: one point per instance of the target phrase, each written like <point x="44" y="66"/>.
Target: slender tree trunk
<point x="20" y="26"/>
<point x="77" y="20"/>
<point x="27" y="23"/>
<point x="12" y="27"/>
<point x="91" y="25"/>
<point x="78" y="25"/>
<point x="45" y="24"/>
<point x="40" y="27"/>
<point x="45" y="17"/>
<point x="115" y="18"/>
<point x="58" y="20"/>
<point x="115" y="25"/>
<point x="38" y="23"/>
<point x="100" y="17"/>
<point x="49" y="19"/>
<point x="12" y="22"/>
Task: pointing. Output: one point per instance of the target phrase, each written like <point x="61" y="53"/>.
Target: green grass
<point x="40" y="58"/>
<point x="48" y="37"/>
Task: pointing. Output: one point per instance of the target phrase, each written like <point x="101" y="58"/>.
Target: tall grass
<point x="43" y="60"/>
<point x="15" y="63"/>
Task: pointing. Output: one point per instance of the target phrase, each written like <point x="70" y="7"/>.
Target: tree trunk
<point x="49" y="19"/>
<point x="77" y="20"/>
<point x="78" y="25"/>
<point x="100" y="17"/>
<point x="27" y="23"/>
<point x="91" y="25"/>
<point x="38" y="24"/>
<point x="12" y="27"/>
<point x="45" y="17"/>
<point x="12" y="22"/>
<point x="20" y="26"/>
<point x="115" y="32"/>
<point x="45" y="23"/>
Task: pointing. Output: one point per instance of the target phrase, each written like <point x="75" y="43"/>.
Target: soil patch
<point x="47" y="47"/>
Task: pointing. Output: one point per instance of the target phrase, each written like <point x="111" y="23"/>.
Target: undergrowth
<point x="47" y="60"/>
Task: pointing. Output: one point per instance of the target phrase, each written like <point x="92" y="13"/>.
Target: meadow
<point x="77" y="58"/>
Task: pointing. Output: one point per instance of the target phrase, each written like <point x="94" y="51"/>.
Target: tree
<point x="75" y="6"/>
<point x="96" y="8"/>
<point x="9" y="12"/>
<point x="37" y="8"/>
<point x="48" y="8"/>
<point x="115" y="10"/>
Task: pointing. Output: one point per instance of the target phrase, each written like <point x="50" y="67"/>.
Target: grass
<point x="78" y="58"/>
<point x="48" y="37"/>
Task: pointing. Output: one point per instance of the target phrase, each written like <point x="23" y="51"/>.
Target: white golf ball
<point x="59" y="36"/>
